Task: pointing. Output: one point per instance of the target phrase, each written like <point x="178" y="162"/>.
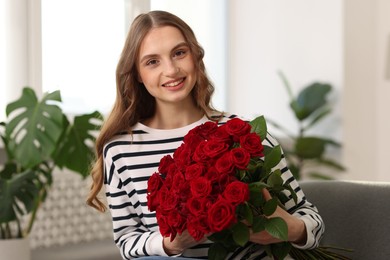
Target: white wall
<point x="366" y="122"/>
<point x="302" y="38"/>
<point x="343" y="42"/>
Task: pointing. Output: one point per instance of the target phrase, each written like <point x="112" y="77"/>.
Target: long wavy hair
<point x="133" y="103"/>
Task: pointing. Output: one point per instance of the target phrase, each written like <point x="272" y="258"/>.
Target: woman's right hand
<point x="180" y="243"/>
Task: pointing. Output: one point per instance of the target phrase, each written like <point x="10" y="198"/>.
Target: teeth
<point x="173" y="84"/>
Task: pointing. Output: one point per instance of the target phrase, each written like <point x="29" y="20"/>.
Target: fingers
<point x="267" y="196"/>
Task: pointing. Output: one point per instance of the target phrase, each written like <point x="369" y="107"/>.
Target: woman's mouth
<point x="172" y="84"/>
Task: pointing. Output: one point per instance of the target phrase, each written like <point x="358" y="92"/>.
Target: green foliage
<point x="37" y="138"/>
<point x="309" y="107"/>
<point x="258" y="214"/>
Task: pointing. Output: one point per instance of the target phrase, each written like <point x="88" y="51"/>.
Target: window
<point x="82" y="41"/>
<point x="81" y="44"/>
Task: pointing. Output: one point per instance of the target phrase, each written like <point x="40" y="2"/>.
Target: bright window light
<point x="81" y="44"/>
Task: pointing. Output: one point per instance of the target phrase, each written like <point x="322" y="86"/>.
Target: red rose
<point x="200" y="187"/>
<point x="177" y="181"/>
<point x="214" y="148"/>
<point x="153" y="201"/>
<point x="222" y="135"/>
<point x="168" y="199"/>
<point x="222" y="182"/>
<point x="154" y="183"/>
<point x="237" y="128"/>
<point x="225" y="164"/>
<point x="193" y="138"/>
<point x="236" y="192"/>
<point x="165" y="162"/>
<point x="183" y="191"/>
<point x="165" y="229"/>
<point x="199" y="154"/>
<point x="221" y="215"/>
<point x="212" y="174"/>
<point x="197" y="205"/>
<point x="198" y="227"/>
<point x="176" y="221"/>
<point x="172" y="171"/>
<point x="240" y="158"/>
<point x="182" y="157"/>
<point x="252" y="143"/>
<point x="194" y="171"/>
<point x="207" y="129"/>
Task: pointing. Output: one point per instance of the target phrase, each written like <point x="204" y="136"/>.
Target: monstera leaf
<point x="17" y="194"/>
<point x="75" y="151"/>
<point x="34" y="127"/>
<point x="310" y="99"/>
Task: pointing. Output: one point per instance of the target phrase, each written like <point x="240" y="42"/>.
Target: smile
<point x="173" y="83"/>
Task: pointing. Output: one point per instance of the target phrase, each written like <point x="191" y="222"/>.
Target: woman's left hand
<point x="296" y="227"/>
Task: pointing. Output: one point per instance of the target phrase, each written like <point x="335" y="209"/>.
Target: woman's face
<point x="166" y="66"/>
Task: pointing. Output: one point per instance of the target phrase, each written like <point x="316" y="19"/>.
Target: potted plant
<point x="37" y="138"/>
<point x="306" y="153"/>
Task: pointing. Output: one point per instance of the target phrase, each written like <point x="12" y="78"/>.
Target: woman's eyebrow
<point x="148" y="56"/>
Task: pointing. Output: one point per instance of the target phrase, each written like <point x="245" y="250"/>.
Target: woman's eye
<point x="179" y="53"/>
<point x="151" y="62"/>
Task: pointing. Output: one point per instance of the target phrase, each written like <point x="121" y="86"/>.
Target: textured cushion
<point x="356" y="215"/>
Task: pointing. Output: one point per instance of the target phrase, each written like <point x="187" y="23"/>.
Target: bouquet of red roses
<point x="213" y="184"/>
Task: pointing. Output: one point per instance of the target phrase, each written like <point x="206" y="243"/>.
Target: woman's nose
<point x="170" y="69"/>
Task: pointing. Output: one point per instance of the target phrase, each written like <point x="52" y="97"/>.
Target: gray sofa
<point x="356" y="215"/>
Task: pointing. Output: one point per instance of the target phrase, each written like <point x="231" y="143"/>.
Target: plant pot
<point x="15" y="249"/>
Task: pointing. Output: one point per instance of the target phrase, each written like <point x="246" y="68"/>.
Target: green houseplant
<point x="37" y="138"/>
<point x="310" y="106"/>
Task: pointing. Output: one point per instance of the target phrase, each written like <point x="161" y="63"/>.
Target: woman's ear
<point x="139" y="79"/>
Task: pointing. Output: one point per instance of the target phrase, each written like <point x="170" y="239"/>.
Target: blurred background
<point x="73" y="46"/>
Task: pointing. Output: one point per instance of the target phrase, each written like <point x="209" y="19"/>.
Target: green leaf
<point x="246" y="212"/>
<point x="240" y="233"/>
<point x="17" y="195"/>
<point x="217" y="252"/>
<point x="280" y="250"/>
<point x="257" y="186"/>
<point x="256" y="197"/>
<point x="75" y="151"/>
<point x="34" y="127"/>
<point x="310" y="99"/>
<point x="259" y="126"/>
<point x="270" y="206"/>
<point x="318" y="117"/>
<point x="221" y="236"/>
<point x="331" y="163"/>
<point x="320" y="176"/>
<point x="273" y="157"/>
<point x="259" y="224"/>
<point x="310" y="147"/>
<point x="286" y="84"/>
<point x="292" y="191"/>
<point x="277" y="228"/>
<point x="275" y="179"/>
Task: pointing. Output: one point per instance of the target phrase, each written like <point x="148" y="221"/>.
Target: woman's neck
<point x="173" y="117"/>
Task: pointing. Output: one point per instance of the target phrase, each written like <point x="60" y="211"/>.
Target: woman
<point x="162" y="93"/>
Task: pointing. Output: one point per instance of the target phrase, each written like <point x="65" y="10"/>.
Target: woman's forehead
<point x="161" y="39"/>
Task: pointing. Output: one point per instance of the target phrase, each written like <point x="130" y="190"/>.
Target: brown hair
<point x="131" y="96"/>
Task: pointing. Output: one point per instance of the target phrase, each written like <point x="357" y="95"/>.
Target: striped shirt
<point x="129" y="161"/>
